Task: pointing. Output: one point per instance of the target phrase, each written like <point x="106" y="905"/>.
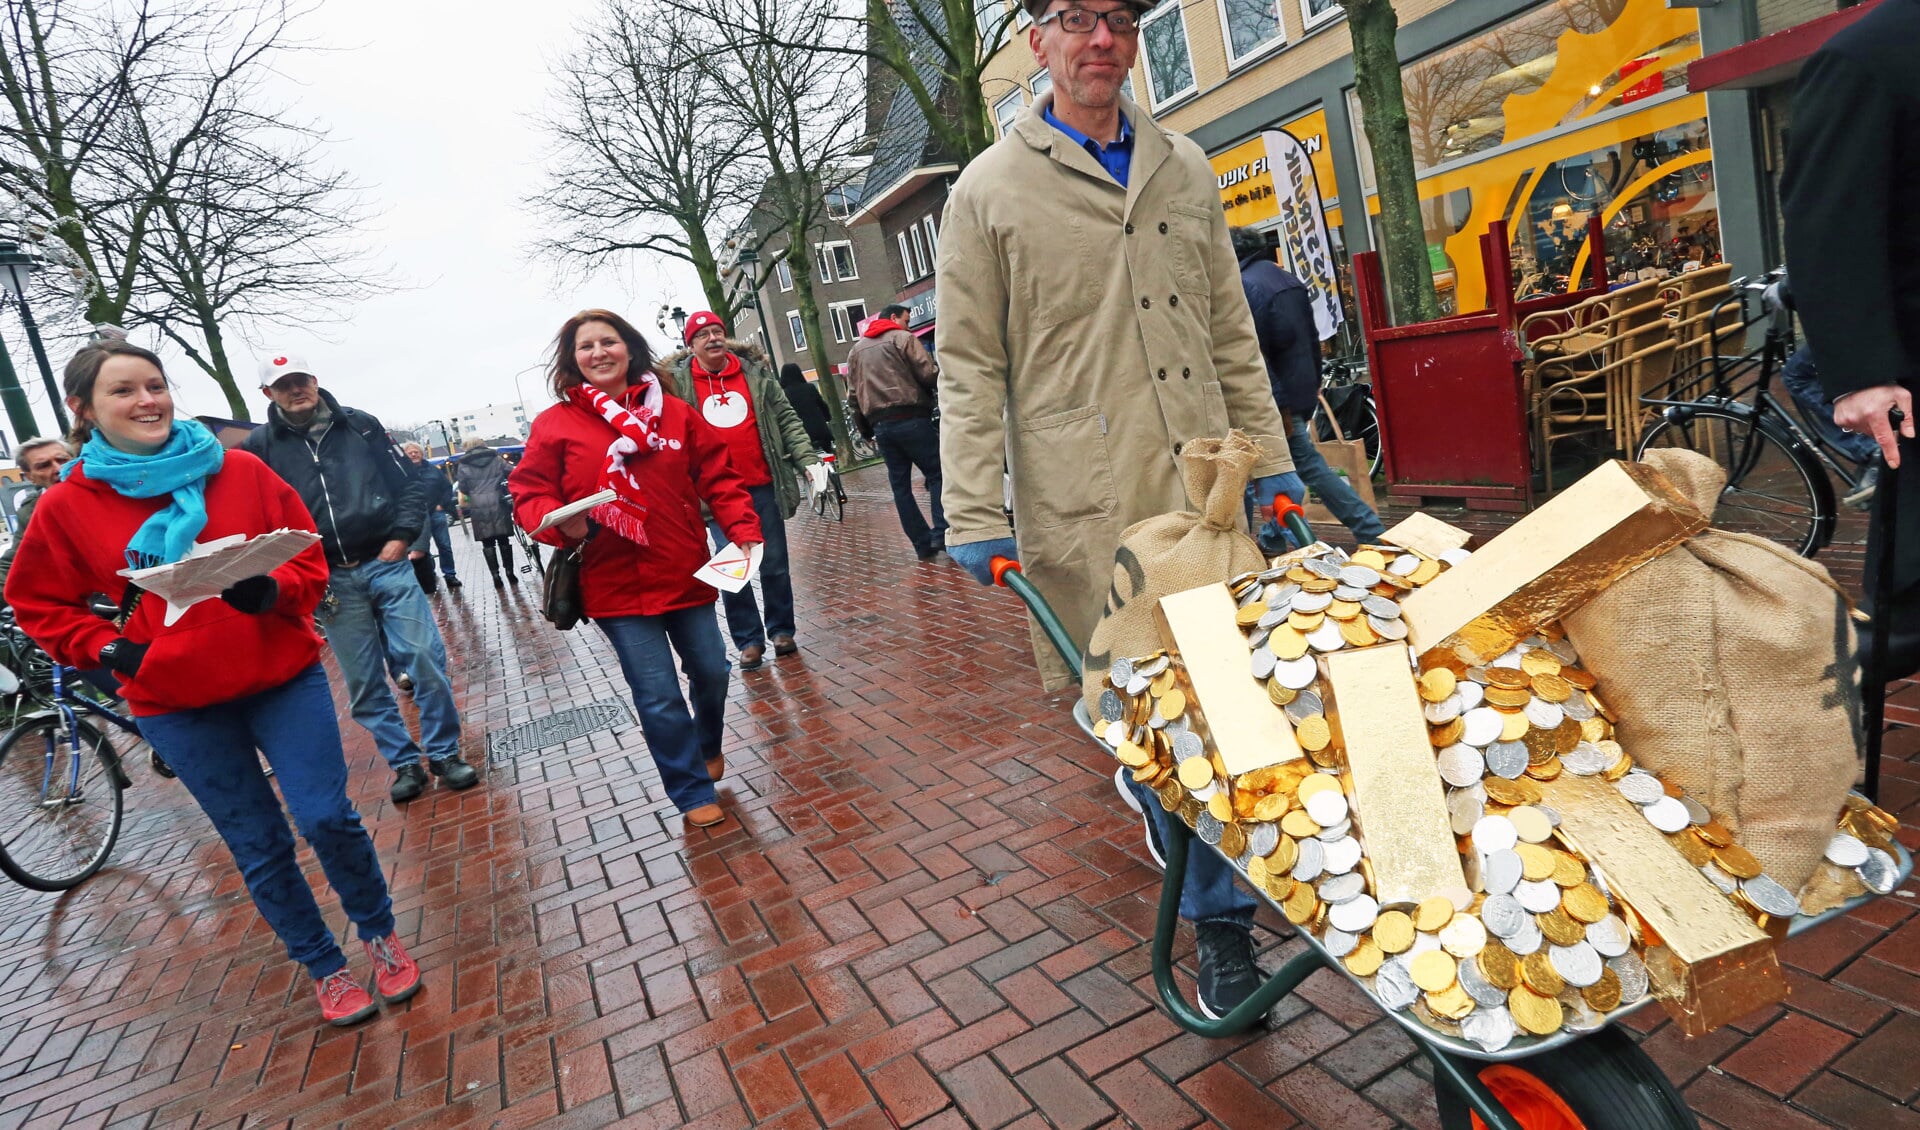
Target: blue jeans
<point x="212" y="750"/>
<point x="776" y="583"/>
<point x="382" y="617"/>
<point x="442" y="542"/>
<point x="1209" y="893"/>
<point x="905" y="444"/>
<point x="1803" y="382"/>
<point x="680" y="742"/>
<point x="1332" y="488"/>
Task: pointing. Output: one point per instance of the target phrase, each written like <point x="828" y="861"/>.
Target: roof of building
<point x="906" y="141"/>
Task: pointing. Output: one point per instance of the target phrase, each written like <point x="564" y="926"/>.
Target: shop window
<point x="1163" y="34"/>
<point x="847" y="317"/>
<point x="1252" y="28"/>
<point x="797" y="329"/>
<point x="1006" y="110"/>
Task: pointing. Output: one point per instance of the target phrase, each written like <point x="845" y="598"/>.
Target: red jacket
<point x="566" y="450"/>
<point x="76" y="545"/>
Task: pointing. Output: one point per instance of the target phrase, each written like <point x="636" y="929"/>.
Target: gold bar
<point x="1399" y="803"/>
<point x="1709" y="963"/>
<point x="1549" y="563"/>
<point x="1235" y="717"/>
<point x="1426" y="535"/>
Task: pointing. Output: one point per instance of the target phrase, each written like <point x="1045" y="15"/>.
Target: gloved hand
<point x="1260" y="493"/>
<point x="253" y="595"/>
<point x="123" y="656"/>
<point x="977" y="557"/>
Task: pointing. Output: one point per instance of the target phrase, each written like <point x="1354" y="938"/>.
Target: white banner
<point x="1303" y="227"/>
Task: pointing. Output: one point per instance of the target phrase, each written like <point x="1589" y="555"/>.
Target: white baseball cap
<point x="280" y="365"/>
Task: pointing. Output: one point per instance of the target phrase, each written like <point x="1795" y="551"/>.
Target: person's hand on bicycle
<point x="1865" y="413"/>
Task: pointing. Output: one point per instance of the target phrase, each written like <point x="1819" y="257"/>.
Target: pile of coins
<point x="1538" y="944"/>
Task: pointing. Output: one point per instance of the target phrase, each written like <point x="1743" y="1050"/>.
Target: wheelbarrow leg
<point x="1463" y="1077"/>
<point x="1250" y="1011"/>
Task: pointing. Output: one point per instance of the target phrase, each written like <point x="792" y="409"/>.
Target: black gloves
<point x="253" y="595"/>
<point x="123" y="656"/>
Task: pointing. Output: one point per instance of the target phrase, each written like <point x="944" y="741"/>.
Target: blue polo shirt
<point x="1116" y="156"/>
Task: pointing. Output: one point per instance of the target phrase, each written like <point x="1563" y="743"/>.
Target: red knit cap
<point x="700" y="321"/>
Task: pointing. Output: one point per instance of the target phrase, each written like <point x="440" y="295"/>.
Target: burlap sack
<point x="1174" y="552"/>
<point x="1731" y="665"/>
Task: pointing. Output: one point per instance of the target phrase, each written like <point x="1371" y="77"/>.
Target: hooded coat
<point x="481" y="475"/>
<point x="1088" y="332"/>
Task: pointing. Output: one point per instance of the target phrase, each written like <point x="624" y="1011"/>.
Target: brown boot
<point x="752" y="658"/>
<point x="717" y="767"/>
<point x="706" y="816"/>
<point x="784" y="645"/>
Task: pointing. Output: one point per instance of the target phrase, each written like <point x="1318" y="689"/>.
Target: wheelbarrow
<point x="1596" y="1080"/>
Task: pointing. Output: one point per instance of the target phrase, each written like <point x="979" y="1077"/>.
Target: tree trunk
<point x="220" y="367"/>
<point x="1383" y="109"/>
<point x="707" y="266"/>
<point x="810" y="322"/>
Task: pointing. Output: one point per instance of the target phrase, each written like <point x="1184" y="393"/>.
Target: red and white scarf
<point x="637" y="427"/>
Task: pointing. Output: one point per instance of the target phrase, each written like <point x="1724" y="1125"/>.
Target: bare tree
<point x="640" y="161"/>
<point x="1373" y="25"/>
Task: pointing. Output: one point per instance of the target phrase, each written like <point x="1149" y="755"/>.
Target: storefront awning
<point x="1772" y="58"/>
<point x="923" y="332"/>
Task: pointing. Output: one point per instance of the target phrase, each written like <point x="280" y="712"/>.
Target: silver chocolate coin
<point x="1394" y="986"/>
<point x="1311" y="860"/>
<point x="1110" y="708"/>
<point x="1442" y="712"/>
<point x="1608" y="937"/>
<point x="1304" y="706"/>
<point x="1578" y="965"/>
<point x="1845" y="850"/>
<point x="1667" y="814"/>
<point x="1380" y="606"/>
<point x="1640" y="788"/>
<point x="1263" y="661"/>
<point x="1491" y="1028"/>
<point x="1341" y="856"/>
<point x="1356" y="915"/>
<point x="1633" y="977"/>
<point x="1541" y="897"/>
<point x="1460" y="766"/>
<point x="1188" y="744"/>
<point x="1208" y="828"/>
<point x="1507" y="759"/>
<point x="1121" y="673"/>
<point x="1342" y="888"/>
<point x="1262" y="839"/>
<point x="1544" y="715"/>
<point x="1501" y="872"/>
<point x="1585" y="760"/>
<point x="1766" y="893"/>
<point x="1395" y="629"/>
<point x="1485" y="993"/>
<point x="1310" y="602"/>
<point x="1503" y="915"/>
<point x="1880" y="872"/>
<point x="1297" y="674"/>
<point x="1359" y="576"/>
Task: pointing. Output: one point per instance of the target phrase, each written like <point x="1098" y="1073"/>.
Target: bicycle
<point x="1345" y="387"/>
<point x="831" y="502"/>
<point x="529" y="549"/>
<point x="1777" y="469"/>
<point x="61" y="782"/>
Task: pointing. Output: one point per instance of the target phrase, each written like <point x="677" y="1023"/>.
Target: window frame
<point x="783" y="274"/>
<point x="838" y="312"/>
<point x="796" y="330"/>
<point x="1311" y="22"/>
<point x="832" y="248"/>
<point x="1260" y="51"/>
<point x="1034" y="80"/>
<point x="920" y="258"/>
<point x="933" y="239"/>
<point x="1019" y="100"/>
<point x="1156" y="102"/>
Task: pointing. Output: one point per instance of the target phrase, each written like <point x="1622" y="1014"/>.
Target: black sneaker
<point x="455" y="773"/>
<point x="1228" y="974"/>
<point x="1133" y="802"/>
<point x="409" y="781"/>
<point x="160" y="767"/>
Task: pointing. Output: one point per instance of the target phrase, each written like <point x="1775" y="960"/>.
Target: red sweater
<point x="725" y="405"/>
<point x="565" y="453"/>
<point x="76" y="545"/>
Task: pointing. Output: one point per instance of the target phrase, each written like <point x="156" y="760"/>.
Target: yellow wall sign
<point x="1246" y="183"/>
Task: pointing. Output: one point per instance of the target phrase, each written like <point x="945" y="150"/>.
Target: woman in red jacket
<point x="227" y="676"/>
<point x="614" y="429"/>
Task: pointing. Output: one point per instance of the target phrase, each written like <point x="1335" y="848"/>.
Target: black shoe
<point x="160" y="767"/>
<point x="455" y="773"/>
<point x="1152" y="835"/>
<point x="404" y="682"/>
<point x="927" y="554"/>
<point x="409" y="781"/>
<point x="455" y="583"/>
<point x="498" y="583"/>
<point x="1228" y="974"/>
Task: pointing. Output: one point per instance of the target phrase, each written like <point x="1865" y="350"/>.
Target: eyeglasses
<point x="1082" y="21"/>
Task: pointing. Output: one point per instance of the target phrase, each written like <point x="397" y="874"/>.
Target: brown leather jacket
<point x="888" y="372"/>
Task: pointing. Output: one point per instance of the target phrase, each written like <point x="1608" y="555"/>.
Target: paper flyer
<point x="211" y="568"/>
<point x="730" y="570"/>
<point x="560" y="514"/>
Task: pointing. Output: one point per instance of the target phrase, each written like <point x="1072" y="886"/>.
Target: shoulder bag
<point x="564" y="604"/>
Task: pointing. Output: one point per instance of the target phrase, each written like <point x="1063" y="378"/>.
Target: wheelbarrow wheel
<point x="1601" y="1082"/>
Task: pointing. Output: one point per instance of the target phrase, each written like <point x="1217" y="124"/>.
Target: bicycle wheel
<point x="833" y="500"/>
<point x="1775" y="488"/>
<point x="1601" y="1082"/>
<point x="55" y="834"/>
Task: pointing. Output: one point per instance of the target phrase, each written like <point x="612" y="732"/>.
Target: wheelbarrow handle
<point x="1293" y="517"/>
<point x="1873" y="693"/>
<point x="1006" y="574"/>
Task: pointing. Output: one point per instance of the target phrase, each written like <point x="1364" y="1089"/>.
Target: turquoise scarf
<point x="179" y="469"/>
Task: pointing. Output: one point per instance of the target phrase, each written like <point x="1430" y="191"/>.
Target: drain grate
<point x="556" y="729"/>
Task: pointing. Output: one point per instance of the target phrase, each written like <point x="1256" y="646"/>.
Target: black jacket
<point x="1283" y="320"/>
<point x="439" y="488"/>
<point x="352" y="478"/>
<point x="811" y="407"/>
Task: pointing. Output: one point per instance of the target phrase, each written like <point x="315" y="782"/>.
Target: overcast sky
<point x="431" y="105"/>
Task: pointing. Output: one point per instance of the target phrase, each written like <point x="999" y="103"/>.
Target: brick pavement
<point x="930" y="911"/>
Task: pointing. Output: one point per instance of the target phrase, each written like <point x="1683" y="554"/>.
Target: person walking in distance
<point x="230" y="675"/>
<point x="368" y="510"/>
<point x="1093" y="323"/>
<point x="40" y="459"/>
<point x="481" y="475"/>
<point x="743" y="401"/>
<point x="893" y="380"/>
<point x="808" y="404"/>
<point x="433" y="534"/>
<point x="1283" y="320"/>
<point x="613" y="428"/>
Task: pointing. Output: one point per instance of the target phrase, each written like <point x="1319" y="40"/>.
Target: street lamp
<point x="676" y="313"/>
<point x="16" y="269"/>
<point x="748" y="259"/>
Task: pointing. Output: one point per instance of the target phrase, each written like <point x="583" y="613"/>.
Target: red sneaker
<point x="395" y="975"/>
<point x="342" y="1000"/>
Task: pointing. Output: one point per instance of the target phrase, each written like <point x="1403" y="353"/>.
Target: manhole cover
<point x="556" y="729"/>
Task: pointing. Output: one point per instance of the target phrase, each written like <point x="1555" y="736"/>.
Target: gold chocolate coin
<point x="1365" y="959"/>
<point x="1531" y="824"/>
<point x="1393" y="932"/>
<point x="1516" y="792"/>
<point x="1280" y="886"/>
<point x="1270" y="807"/>
<point x="1536" y="862"/>
<point x="1171" y="793"/>
<point x="1437" y="684"/>
<point x="1584" y="903"/>
<point x="1508" y="677"/>
<point x="1559" y="927"/>
<point x="1250" y="615"/>
<point x="1301" y="905"/>
<point x="1566" y="736"/>
<point x="1537" y="972"/>
<point x="1715" y="833"/>
<point x="1695" y="849"/>
<point x="1164" y="681"/>
<point x="1316" y="784"/>
<point x="1233" y="841"/>
<point x="1499" y="966"/>
<point x="1577" y="678"/>
<point x="1280" y="693"/>
<point x="1737" y="861"/>
<point x="1595" y="729"/>
<point x="1513" y="727"/>
<point x="1283" y="857"/>
<point x="1603" y="995"/>
<point x="1536" y="1013"/>
<point x="1132" y="755"/>
<point x="1540" y="662"/>
<point x="1305" y="621"/>
<point x="1299" y="825"/>
<point x="1173" y="704"/>
<point x="1568" y="871"/>
<point x="1196" y="772"/>
<point x="1546" y="770"/>
<point x="1447" y="734"/>
<point x="1512" y="698"/>
<point x="1286" y="642"/>
<point x="1371" y="558"/>
<point x="1451" y="1002"/>
<point x="1433" y="970"/>
<point x="1342" y="610"/>
<point x="1313" y="733"/>
<point x="1220" y="807"/>
<point x="1427" y="571"/>
<point x="1357" y="633"/>
<point x="1432" y="914"/>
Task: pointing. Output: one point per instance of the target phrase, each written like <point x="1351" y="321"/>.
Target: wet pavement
<point x="929" y="909"/>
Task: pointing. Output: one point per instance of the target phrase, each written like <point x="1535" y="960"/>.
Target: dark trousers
<point x="1901" y="618"/>
<point x="906" y="443"/>
<point x="212" y="750"/>
<point x="744" y="622"/>
<point x="499" y="555"/>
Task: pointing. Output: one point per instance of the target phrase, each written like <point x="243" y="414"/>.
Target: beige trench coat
<point x="1087" y="332"/>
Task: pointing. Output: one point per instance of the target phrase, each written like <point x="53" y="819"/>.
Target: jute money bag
<point x="1174" y="552"/>
<point x="1730" y="663"/>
